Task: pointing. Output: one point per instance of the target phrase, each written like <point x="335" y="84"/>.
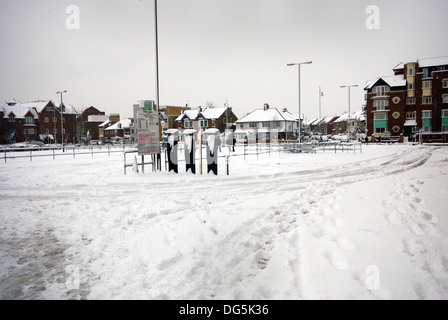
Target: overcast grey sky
<point x="211" y="50"/>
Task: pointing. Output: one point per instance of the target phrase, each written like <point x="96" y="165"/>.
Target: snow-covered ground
<point x="370" y="225"/>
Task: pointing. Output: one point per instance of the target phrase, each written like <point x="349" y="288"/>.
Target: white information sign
<point x="148" y="129"/>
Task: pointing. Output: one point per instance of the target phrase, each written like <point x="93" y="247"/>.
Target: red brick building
<point x="37" y="121"/>
<point x="412" y="102"/>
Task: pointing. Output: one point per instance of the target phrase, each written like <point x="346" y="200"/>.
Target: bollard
<point x="213" y="143"/>
<point x="173" y="140"/>
<point x="189" y="142"/>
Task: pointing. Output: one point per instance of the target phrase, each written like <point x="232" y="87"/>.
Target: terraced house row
<point x="412" y="103"/>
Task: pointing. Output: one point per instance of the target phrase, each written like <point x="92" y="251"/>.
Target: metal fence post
<point x="124" y="153"/>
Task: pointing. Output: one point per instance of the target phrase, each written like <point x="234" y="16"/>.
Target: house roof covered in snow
<point x="20" y="111"/>
<point x="392" y="81"/>
<point x="188" y="114"/>
<point x="104" y="123"/>
<point x="358" y="115"/>
<point x="271" y="114"/>
<point x="433" y="62"/>
<point x="123" y="124"/>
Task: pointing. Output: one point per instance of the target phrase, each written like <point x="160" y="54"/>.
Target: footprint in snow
<point x="337" y="260"/>
<point x="344" y="243"/>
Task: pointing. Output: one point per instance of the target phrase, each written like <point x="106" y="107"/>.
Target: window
<point x="425" y="72"/>
<point x="444" y="113"/>
<point x="241" y="125"/>
<point x="426" y="129"/>
<point x="266" y="124"/>
<point x="381" y="90"/>
<point x="46" y="119"/>
<point x="427" y="114"/>
<point x="63" y="131"/>
<point x="55" y="119"/>
<point x="47" y="131"/>
<point x="55" y="131"/>
<point x="445" y="83"/>
<point x="380" y="130"/>
<point x="396" y="129"/>
<point x="427" y="84"/>
<point x="396" y="115"/>
<point x="203" y="123"/>
<point x="411" y="86"/>
<point x="381" y="104"/>
<point x="411" y="71"/>
<point x="427" y="100"/>
<point x="12" y="118"/>
<point x="188" y="125"/>
<point x="414" y="129"/>
<point x="31" y="131"/>
<point x="253" y="125"/>
<point x="380" y="116"/>
<point x="213" y="124"/>
<point x="49" y="109"/>
<point x="411" y="115"/>
<point x="410" y="101"/>
<point x="396" y="100"/>
<point x="445" y="98"/>
<point x="29" y="120"/>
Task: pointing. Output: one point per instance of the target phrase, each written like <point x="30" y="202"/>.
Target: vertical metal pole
<point x="349" y="135"/>
<point x="300" y="112"/>
<point x="155" y="166"/>
<point x="143" y="164"/>
<point x="201" y="151"/>
<point x="320" y="107"/>
<point x="124" y="155"/>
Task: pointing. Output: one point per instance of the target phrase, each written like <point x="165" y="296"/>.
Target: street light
<point x="351" y="86"/>
<point x="62" y="118"/>
<point x="321" y="94"/>
<point x="300" y="111"/>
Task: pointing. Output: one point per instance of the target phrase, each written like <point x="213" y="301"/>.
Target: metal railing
<point x="73" y="151"/>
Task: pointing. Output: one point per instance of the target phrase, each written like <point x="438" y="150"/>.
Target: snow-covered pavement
<point x="282" y="226"/>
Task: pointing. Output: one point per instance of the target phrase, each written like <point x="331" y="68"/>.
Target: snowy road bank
<point x="284" y="226"/>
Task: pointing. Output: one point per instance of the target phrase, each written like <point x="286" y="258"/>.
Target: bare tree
<point x="210" y="105"/>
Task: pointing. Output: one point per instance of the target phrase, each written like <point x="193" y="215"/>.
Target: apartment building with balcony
<point x="413" y="102"/>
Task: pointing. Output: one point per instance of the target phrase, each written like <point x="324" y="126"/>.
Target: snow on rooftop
<point x="400" y="66"/>
<point x="213" y="113"/>
<point x="19" y="110"/>
<point x="190" y="114"/>
<point x="125" y="123"/>
<point x="271" y="114"/>
<point x="392" y="81"/>
<point x="433" y="62"/>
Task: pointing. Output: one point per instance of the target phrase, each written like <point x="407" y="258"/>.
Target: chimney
<point x="285" y="109"/>
<point x="266" y="107"/>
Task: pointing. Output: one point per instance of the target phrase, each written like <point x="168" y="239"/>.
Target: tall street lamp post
<point x="300" y="111"/>
<point x="349" y="114"/>
<point x="321" y="94"/>
<point x="62" y="118"/>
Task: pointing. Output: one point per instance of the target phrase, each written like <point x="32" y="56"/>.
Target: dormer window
<point x="12" y="118"/>
<point x="382" y="90"/>
<point x="29" y="120"/>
